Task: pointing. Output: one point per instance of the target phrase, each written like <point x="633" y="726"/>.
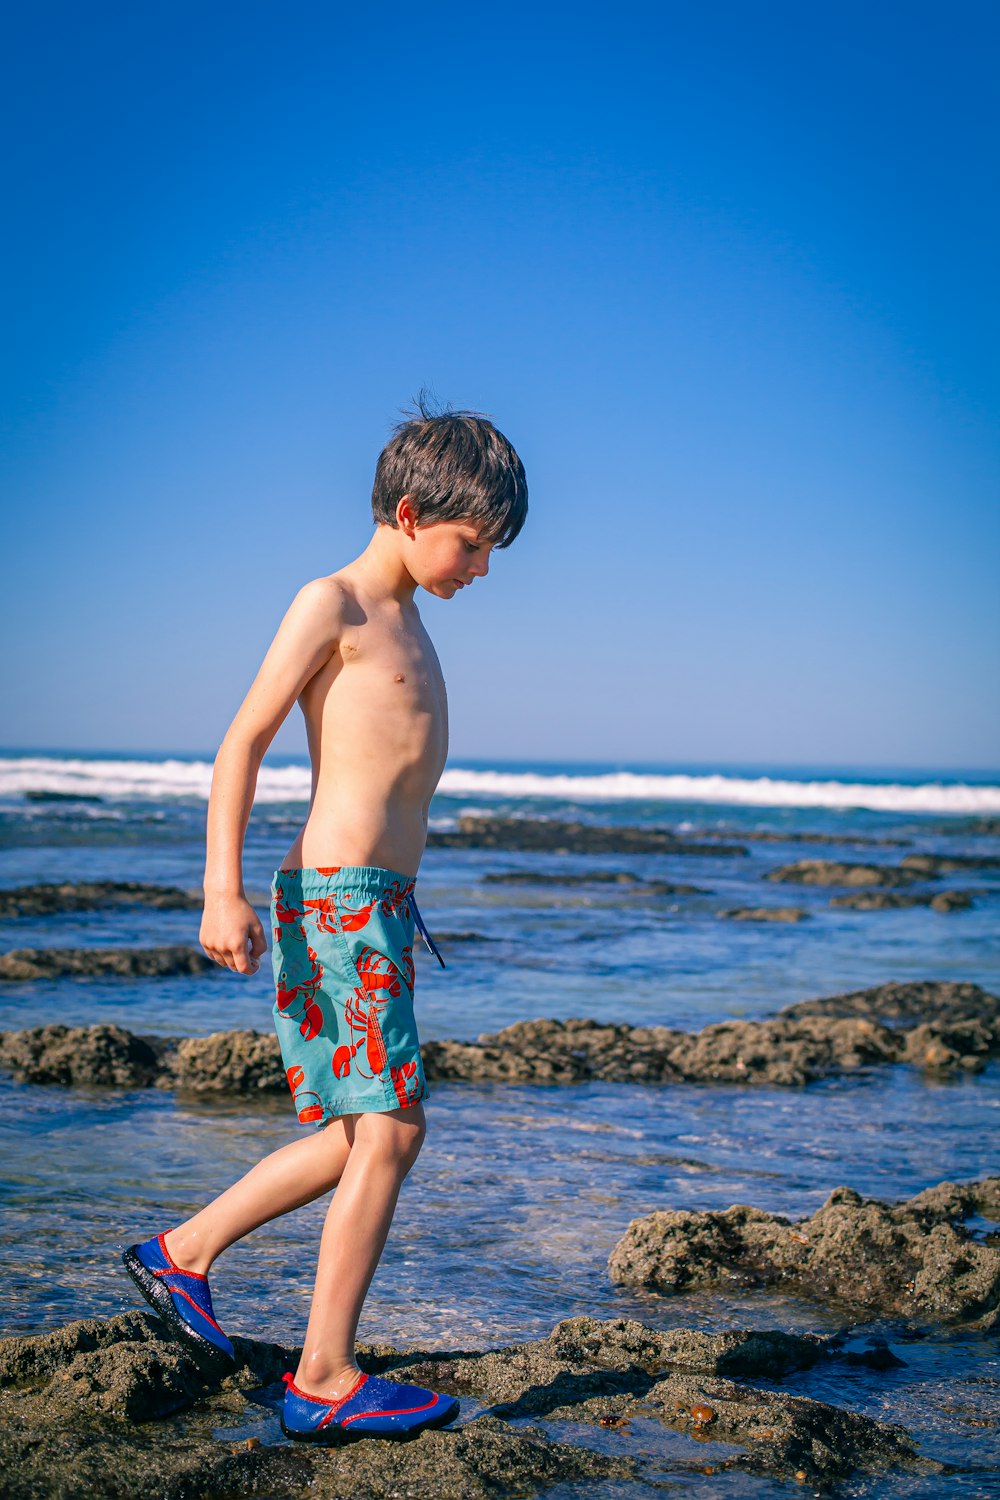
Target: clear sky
<point x="725" y="274"/>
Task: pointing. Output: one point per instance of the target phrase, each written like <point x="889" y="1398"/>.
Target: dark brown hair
<point x="457" y="467"/>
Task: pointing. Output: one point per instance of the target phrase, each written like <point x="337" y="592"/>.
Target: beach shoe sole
<point x="333" y="1437"/>
<point x="159" y="1298"/>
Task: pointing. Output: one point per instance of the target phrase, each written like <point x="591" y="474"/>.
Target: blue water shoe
<point x="181" y="1298"/>
<point x="373" y="1407"/>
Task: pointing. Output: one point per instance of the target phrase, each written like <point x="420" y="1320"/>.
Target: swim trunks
<point x="343" y="971"/>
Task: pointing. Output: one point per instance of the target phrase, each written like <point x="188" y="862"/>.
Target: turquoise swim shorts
<point x="343" y="972"/>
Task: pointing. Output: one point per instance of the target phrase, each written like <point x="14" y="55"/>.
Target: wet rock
<point x="837" y="872"/>
<point x="542" y="877"/>
<point x="42" y="795"/>
<point x="72" y="1400"/>
<point x="807" y="1041"/>
<point x="917" y="999"/>
<point x="76" y="1055"/>
<point x="914" y="1259"/>
<point x="475" y="832"/>
<point x="973" y="826"/>
<point x="91" y="895"/>
<point x="21" y="964"/>
<point x="932" y="865"/>
<point x="790" y="836"/>
<point x="788" y="1436"/>
<point x="765" y="913"/>
<point x="635" y="883"/>
<point x="875" y="900"/>
<point x="241" y="1062"/>
<point x="607" y="1372"/>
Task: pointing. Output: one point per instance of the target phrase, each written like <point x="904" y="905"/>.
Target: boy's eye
<point x="471" y="547"/>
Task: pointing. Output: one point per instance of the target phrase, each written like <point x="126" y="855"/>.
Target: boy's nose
<point x="481" y="566"/>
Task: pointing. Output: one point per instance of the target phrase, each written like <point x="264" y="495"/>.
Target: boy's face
<point x="445" y="556"/>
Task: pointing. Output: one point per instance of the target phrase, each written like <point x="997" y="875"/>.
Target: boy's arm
<point x="305" y="639"/>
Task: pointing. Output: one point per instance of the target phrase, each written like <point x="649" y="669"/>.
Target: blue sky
<point x="725" y="274"/>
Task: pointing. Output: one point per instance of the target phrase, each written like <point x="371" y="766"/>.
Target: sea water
<point x="505" y="1223"/>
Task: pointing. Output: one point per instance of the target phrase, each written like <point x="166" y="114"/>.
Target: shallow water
<point x="507" y="1219"/>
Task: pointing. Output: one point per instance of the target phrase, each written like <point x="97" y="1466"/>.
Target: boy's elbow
<point x="248" y="739"/>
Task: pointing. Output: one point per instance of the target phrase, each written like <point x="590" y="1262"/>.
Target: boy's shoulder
<point x="330" y="596"/>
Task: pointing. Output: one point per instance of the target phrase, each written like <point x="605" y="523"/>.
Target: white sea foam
<point x="140" y="779"/>
<point x="759" y="791"/>
<point x="154" y="780"/>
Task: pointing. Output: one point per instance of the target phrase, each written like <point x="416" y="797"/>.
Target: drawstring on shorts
<point x="421" y="927"/>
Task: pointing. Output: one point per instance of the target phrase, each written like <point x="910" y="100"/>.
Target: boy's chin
<point x="446" y="589"/>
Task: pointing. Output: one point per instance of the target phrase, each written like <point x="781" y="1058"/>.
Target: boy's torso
<point x="377" y="726"/>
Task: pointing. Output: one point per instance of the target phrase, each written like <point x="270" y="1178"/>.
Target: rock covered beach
<point x="605" y="1405"/>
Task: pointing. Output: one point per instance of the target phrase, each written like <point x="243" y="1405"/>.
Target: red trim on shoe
<point x="173" y="1264"/>
<point x="321" y="1400"/>
<point x="401" y="1411"/>
<point x="177" y="1291"/>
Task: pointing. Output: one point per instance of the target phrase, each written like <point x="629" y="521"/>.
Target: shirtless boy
<point x="353" y="651"/>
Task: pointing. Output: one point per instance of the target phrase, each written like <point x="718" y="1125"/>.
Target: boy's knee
<point x="395" y="1139"/>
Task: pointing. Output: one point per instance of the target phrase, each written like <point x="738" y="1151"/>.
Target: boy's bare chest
<point x="386" y="676"/>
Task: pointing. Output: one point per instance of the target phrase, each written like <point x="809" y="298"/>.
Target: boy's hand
<point x="231" y="934"/>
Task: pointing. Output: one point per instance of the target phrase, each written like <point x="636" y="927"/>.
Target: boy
<point x="353" y="651"/>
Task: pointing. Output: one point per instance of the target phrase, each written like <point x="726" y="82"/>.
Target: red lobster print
<point x="284" y="913"/>
<point x="306" y="1112"/>
<point x="405" y="1093"/>
<point x="393" y="900"/>
<point x="312" y="1016"/>
<point x="377" y="973"/>
<point x="331" y="918"/>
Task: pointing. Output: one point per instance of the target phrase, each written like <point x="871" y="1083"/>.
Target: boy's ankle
<point x="330" y="1381"/>
<point x="184" y="1256"/>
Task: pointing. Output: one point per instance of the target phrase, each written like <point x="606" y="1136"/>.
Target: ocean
<point x="505" y="1223"/>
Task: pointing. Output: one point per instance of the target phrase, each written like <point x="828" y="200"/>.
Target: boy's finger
<point x="258" y="942"/>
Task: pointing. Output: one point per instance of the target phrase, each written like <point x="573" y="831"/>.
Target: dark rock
<point x="788" y="836"/>
<point x="932" y="865"/>
<point x="107" y="1055"/>
<point x="974" y="826"/>
<point x="951" y="901"/>
<point x="900" y="900"/>
<point x="608" y="1372"/>
<point x="21" y="964"/>
<point x="917" y="999"/>
<point x="914" y="1259"/>
<point x="91" y="895"/>
<point x="765" y="913"/>
<point x="242" y="1062"/>
<point x="635" y="883"/>
<point x="542" y="877"/>
<point x="810" y="1040"/>
<point x="71" y="1401"/>
<point x="41" y="795"/>
<point x="476" y="832"/>
<point x="462" y="937"/>
<point x="836" y="872"/>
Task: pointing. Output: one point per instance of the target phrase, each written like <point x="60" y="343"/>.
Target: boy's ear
<point x="406" y="517"/>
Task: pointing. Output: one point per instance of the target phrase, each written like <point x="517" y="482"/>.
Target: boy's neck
<point x="383" y="568"/>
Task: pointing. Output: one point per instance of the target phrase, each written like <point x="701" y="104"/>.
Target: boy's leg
<point x="385" y="1146"/>
<point x="289" y="1177"/>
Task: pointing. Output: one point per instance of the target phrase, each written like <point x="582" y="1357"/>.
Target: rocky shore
<point x="933" y="1025"/>
<point x="913" y="1260"/>
<point x="552" y="837"/>
<point x="91" y="895"/>
<point x="114" y="1408"/>
<point x="125" y="963"/>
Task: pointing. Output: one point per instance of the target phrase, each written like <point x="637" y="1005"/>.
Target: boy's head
<point x="454" y="466"/>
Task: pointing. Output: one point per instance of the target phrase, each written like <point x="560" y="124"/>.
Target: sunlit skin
<point x="353" y="651"/>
